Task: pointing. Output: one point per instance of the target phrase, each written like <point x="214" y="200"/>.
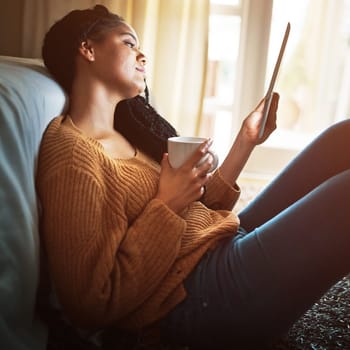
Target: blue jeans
<point x="293" y="245"/>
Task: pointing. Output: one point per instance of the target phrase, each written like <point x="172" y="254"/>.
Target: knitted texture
<point x="116" y="255"/>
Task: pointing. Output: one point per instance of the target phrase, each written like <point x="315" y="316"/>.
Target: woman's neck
<point x="92" y="109"/>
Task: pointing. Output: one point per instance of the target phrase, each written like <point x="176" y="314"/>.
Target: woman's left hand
<point x="252" y="123"/>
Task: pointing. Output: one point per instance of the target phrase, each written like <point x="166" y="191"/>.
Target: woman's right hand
<point x="180" y="187"/>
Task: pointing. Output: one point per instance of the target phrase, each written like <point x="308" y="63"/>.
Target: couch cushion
<point x="29" y="99"/>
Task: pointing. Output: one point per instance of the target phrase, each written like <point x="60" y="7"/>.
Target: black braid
<point x="147" y="95"/>
<point x="139" y="122"/>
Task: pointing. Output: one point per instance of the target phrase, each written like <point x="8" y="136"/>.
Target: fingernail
<point x="209" y="143"/>
<point x="206" y="145"/>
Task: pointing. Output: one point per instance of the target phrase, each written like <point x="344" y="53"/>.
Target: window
<point x="314" y="79"/>
<point x="224" y="39"/>
<point x="238" y="38"/>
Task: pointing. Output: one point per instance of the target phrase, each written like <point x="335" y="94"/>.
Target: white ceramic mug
<point x="180" y="148"/>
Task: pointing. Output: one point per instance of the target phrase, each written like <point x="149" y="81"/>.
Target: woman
<point x="132" y="243"/>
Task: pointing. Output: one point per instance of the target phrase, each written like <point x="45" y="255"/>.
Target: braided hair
<point x="134" y="118"/>
<point x="140" y="123"/>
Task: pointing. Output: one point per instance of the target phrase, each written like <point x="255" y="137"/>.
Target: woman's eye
<point x="130" y="44"/>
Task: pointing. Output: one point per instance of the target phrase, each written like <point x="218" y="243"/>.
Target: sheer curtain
<point x="173" y="35"/>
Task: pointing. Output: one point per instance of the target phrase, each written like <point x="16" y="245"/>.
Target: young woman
<point x="134" y="244"/>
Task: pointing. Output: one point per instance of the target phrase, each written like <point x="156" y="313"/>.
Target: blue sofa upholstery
<point x="29" y="99"/>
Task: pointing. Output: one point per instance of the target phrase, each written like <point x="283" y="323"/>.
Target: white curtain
<point x="173" y="35"/>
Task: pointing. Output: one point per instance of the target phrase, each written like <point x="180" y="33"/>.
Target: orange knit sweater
<point x="115" y="254"/>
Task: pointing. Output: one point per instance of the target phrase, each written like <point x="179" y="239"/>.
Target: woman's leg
<point x="251" y="289"/>
<point x="326" y="156"/>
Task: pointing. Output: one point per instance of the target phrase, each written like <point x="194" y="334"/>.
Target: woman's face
<point x="119" y="63"/>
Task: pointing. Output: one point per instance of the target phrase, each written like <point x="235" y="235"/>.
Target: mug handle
<point x="215" y="161"/>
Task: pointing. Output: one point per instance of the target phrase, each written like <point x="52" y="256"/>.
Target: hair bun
<point x="101" y="10"/>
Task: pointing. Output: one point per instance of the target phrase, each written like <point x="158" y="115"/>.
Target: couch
<point x="29" y="99"/>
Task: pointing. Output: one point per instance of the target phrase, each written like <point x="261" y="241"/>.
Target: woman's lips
<point x="141" y="69"/>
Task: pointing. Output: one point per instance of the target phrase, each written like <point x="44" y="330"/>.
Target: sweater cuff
<point x="220" y="194"/>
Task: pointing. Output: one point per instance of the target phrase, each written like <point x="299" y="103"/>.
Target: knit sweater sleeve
<point x="102" y="266"/>
<point x="220" y="194"/>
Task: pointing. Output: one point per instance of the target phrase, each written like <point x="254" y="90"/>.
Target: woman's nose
<point x="142" y="58"/>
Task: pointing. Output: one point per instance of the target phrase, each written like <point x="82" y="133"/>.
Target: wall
<point x="11" y="27"/>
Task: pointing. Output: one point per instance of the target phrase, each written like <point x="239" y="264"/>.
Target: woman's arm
<point x="247" y="139"/>
<point x="186" y="184"/>
<point x="222" y="191"/>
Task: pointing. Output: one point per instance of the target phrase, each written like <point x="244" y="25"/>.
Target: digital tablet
<point x="268" y="96"/>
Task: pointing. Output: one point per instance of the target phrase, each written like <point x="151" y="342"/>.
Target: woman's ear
<point x="87" y="51"/>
